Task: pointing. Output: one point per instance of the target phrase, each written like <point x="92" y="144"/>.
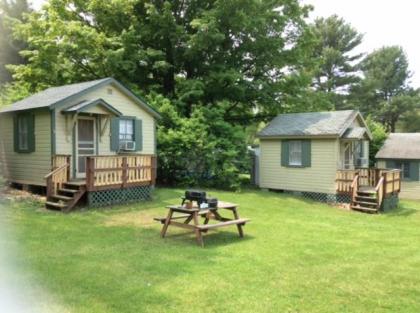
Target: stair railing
<point x="56" y="179"/>
<point x="354" y="187"/>
<point x="379" y="189"/>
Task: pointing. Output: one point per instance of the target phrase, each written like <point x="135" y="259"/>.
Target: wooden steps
<point x="66" y="197"/>
<point x="365" y="201"/>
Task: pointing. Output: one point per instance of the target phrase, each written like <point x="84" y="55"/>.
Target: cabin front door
<point x="85" y="143"/>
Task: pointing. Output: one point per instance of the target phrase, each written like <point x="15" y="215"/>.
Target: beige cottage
<point x="303" y="151"/>
<point x="95" y="137"/>
<point x="325" y="156"/>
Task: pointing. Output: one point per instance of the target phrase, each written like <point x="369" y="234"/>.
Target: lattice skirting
<point x="322" y="197"/>
<point x="116" y="196"/>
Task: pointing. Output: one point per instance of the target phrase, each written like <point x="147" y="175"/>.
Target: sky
<point x="383" y="23"/>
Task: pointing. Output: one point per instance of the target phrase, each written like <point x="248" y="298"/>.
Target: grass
<point x="297" y="256"/>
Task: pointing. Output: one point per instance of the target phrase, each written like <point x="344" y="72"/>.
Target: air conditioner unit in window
<point x="128" y="145"/>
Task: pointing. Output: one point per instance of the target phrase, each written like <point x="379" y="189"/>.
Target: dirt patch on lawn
<point x="131" y="219"/>
<point x="12" y="194"/>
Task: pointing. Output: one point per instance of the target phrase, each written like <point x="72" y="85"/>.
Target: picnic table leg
<point x="240" y="230"/>
<point x="197" y="231"/>
<point x="188" y="220"/>
<point x="167" y="221"/>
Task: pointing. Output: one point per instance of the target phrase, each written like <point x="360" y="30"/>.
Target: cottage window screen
<point x="295" y="153"/>
<point x="23" y="132"/>
<point x="405" y="168"/>
<point x="126" y="130"/>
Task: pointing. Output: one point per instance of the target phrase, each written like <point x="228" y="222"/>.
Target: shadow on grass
<point x="401" y="210"/>
<point x="211" y="240"/>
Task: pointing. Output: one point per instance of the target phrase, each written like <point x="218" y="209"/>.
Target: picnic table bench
<point x="194" y="214"/>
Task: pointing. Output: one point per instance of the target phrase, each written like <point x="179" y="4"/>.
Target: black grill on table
<point x="194" y="195"/>
<point x="199" y="197"/>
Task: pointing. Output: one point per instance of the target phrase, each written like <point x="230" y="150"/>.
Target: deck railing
<point x="59" y="175"/>
<point x="112" y="172"/>
<point x="390" y="179"/>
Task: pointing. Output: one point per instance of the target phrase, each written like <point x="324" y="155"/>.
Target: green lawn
<point x="297" y="256"/>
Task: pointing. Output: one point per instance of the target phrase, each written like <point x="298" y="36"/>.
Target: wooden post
<point x="124" y="172"/>
<point x="90" y="172"/>
<point x="68" y="160"/>
<point x="50" y="187"/>
<point x="153" y="169"/>
<point x="385" y="185"/>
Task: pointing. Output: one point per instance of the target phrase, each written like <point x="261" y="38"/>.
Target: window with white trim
<point x="126" y="130"/>
<point x="295" y="153"/>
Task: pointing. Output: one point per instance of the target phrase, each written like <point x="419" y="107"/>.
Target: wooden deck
<point x="368" y="187"/>
<point x="103" y="173"/>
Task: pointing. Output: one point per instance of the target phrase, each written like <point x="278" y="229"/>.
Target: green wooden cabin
<point x="402" y="151"/>
<point x="96" y="137"/>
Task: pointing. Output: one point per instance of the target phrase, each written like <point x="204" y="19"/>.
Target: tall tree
<point x="198" y="51"/>
<point x="9" y="52"/>
<point x="337" y="63"/>
<point x="384" y="92"/>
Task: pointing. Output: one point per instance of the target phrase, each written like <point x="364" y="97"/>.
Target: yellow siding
<point x="409" y="189"/>
<point x="122" y="103"/>
<point x="320" y="177"/>
<point x="26" y="168"/>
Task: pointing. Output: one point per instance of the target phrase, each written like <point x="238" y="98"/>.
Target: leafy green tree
<point x="384" y="92"/>
<point x="10" y="10"/>
<point x="410" y="120"/>
<point x="379" y="135"/>
<point x="336" y="66"/>
<point x="231" y="53"/>
<point x="202" y="150"/>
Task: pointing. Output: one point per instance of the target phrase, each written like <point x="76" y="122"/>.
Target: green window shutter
<point x="15" y="133"/>
<point x="390" y="164"/>
<point x="138" y="134"/>
<point x="414" y="171"/>
<point x="284" y="153"/>
<point x="31" y="132"/>
<point x="115" y="134"/>
<point x="306" y="153"/>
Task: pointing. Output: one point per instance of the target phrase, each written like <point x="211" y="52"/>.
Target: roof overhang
<point x="137" y="99"/>
<point x="85" y="105"/>
<point x="362" y="120"/>
<point x="355" y="133"/>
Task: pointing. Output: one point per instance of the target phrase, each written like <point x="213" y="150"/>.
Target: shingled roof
<point x="53" y="96"/>
<point x="50" y="96"/>
<point x="401" y="146"/>
<point x="331" y="124"/>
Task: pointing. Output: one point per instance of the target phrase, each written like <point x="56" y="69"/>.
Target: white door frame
<point x="76" y="157"/>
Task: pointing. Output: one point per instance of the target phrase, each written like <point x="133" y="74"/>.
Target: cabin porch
<point x="369" y="189"/>
<point x="108" y="180"/>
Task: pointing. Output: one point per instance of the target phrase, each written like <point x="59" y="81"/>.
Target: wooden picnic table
<point x="193" y="215"/>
